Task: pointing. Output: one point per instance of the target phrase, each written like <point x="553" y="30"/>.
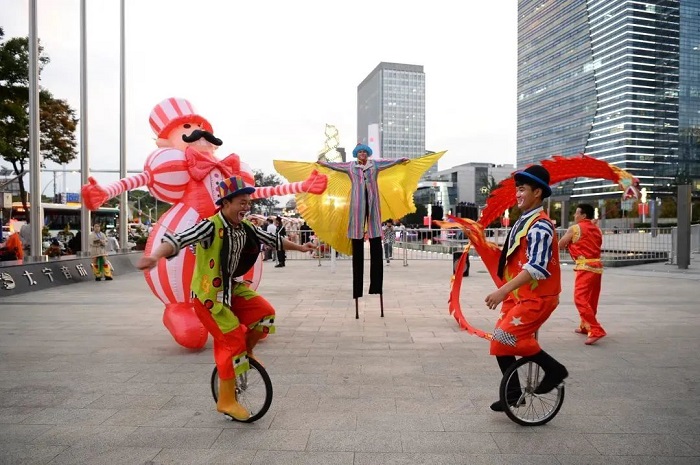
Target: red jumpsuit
<point x="528" y="307"/>
<point x="584" y="248"/>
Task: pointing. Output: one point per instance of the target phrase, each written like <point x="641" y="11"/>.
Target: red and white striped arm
<point x="283" y="189"/>
<point x="127" y="184"/>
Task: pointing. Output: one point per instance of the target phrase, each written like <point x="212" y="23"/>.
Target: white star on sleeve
<point x="516" y="321"/>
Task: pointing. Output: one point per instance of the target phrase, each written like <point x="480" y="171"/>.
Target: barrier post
<point x="405" y="252"/>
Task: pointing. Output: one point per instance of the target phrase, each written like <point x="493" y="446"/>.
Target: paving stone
<point x="78" y="386"/>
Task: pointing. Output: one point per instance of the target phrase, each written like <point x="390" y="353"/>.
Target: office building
<point x="617" y="80"/>
<point x="391" y="111"/>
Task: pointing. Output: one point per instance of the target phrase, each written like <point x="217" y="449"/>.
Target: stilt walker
<point x="360" y="195"/>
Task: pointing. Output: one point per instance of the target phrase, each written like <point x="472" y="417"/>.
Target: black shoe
<point x="108" y="279"/>
<point x="279" y="266"/>
<point x="98" y="279"/>
<point x="499" y="407"/>
<point x="552" y="379"/>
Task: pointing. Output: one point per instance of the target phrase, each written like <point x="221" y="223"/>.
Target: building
<point x="617" y="80"/>
<point x="468" y="183"/>
<point x="391" y="111"/>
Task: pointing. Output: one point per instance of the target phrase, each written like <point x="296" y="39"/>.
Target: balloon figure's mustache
<point x="198" y="134"/>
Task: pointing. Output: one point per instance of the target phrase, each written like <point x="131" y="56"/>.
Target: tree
<point x="262" y="180"/>
<point x="416" y="218"/>
<point x="57" y="119"/>
<point x="488" y="185"/>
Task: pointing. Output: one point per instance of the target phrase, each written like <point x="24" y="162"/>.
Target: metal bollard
<point x="405" y="253"/>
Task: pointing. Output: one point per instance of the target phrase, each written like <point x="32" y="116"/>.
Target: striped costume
<point x="365" y="210"/>
<point x="224" y="305"/>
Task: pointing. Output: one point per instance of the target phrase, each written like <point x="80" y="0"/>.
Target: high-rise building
<point x="618" y="80"/>
<point x="391" y="111"/>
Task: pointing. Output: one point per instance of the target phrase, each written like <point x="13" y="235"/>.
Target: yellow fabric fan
<point x="328" y="214"/>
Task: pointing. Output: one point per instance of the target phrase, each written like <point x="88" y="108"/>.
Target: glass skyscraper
<point x="391" y="110"/>
<point x="618" y="80"/>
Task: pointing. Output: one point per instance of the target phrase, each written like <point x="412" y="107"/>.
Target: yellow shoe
<point x="227" y="403"/>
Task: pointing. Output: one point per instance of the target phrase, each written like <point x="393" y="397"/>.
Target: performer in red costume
<point x="584" y="240"/>
<point x="529" y="268"/>
<point x="511" y="335"/>
<point x="183" y="171"/>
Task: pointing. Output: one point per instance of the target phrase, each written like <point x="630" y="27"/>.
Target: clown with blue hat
<point x="352" y="208"/>
<point x="227" y="247"/>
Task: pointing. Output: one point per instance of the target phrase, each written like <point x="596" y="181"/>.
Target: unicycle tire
<point x="530" y="409"/>
<point x="253" y="390"/>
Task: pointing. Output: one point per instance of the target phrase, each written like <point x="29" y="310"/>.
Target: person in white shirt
<point x="271" y="253"/>
<point x="25" y="235"/>
<point x="97" y="242"/>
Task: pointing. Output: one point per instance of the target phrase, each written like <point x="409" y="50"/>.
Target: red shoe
<point x="592" y="340"/>
<point x="581" y="331"/>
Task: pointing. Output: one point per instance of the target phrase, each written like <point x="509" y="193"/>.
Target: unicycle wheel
<point x="253" y="390"/>
<point x="529" y="409"/>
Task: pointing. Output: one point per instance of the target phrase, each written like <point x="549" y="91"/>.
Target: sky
<point x="270" y="75"/>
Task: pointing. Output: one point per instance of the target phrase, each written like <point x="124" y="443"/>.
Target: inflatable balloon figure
<point x="503" y="197"/>
<point x="184" y="172"/>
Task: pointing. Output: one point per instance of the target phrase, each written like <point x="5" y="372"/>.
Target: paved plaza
<point x="88" y="374"/>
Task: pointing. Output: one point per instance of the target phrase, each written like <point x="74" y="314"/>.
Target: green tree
<point x="488" y="185"/>
<point x="265" y="206"/>
<point x="57" y="119"/>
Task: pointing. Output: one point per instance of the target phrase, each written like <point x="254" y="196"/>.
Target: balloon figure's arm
<point x="94" y="195"/>
<point x="315" y="184"/>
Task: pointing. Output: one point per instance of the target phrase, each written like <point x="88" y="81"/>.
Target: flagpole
<point x="123" y="198"/>
<point x="84" y="159"/>
<point x="34" y="134"/>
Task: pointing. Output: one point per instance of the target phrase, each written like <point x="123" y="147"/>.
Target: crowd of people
<point x="16" y="245"/>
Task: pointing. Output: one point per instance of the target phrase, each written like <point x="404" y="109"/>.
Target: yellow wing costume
<point x="328" y="214"/>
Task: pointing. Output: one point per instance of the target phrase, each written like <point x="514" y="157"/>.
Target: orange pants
<point x="586" y="294"/>
<point x="519" y="321"/>
<point x="251" y="309"/>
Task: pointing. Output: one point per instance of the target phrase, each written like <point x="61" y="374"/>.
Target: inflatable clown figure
<point x="184" y="172"/>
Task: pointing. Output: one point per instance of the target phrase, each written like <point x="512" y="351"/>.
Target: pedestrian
<point x="25" y="235"/>
<point x="97" y="241"/>
<point x="13" y="248"/>
<point x="584" y="241"/>
<point x="529" y="267"/>
<point x="282" y="232"/>
<point x="271" y="229"/>
<point x="227" y="247"/>
<point x="389" y="237"/>
<point x="54" y="250"/>
<point x="305" y="231"/>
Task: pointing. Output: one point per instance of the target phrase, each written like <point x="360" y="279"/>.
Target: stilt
<point x="381" y="303"/>
<point x="357" y="310"/>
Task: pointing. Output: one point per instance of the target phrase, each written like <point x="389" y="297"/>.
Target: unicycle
<point x="530" y="409"/>
<point x="253" y="390"/>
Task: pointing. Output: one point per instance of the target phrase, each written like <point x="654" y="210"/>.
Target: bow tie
<point x="200" y="165"/>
